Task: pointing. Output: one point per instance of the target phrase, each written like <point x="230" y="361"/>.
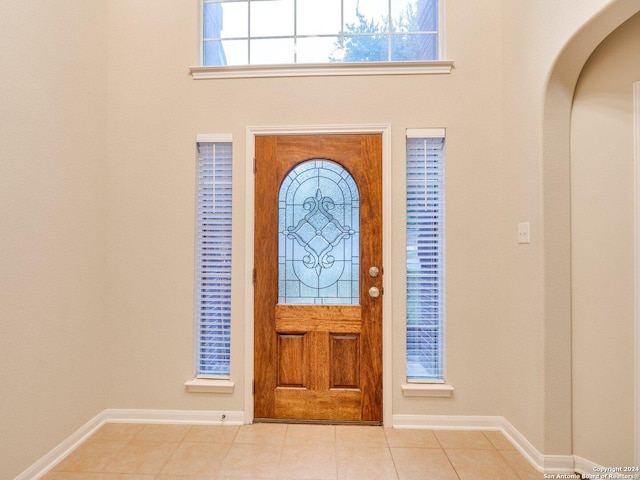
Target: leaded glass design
<point x="319" y="238"/>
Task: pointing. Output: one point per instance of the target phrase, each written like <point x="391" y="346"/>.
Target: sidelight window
<point x="213" y="256"/>
<point x="425" y="255"/>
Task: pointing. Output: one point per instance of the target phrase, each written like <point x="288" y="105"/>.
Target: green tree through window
<point x="344" y="31"/>
<point x="368" y="40"/>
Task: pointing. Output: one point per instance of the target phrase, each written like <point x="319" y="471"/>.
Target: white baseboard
<point x="51" y="459"/>
<point x="524" y="446"/>
<point x="543" y="463"/>
<point x="586" y="467"/>
<point x="447" y="422"/>
<point x="192" y="417"/>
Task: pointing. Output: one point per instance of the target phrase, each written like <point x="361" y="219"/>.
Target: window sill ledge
<point x="426" y="390"/>
<point x="323" y="70"/>
<point x="207" y="385"/>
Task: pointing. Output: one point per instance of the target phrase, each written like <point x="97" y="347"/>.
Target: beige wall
<point x="107" y="230"/>
<point x="155" y="111"/>
<point x="508" y="325"/>
<point x="602" y="250"/>
<point x="546" y="43"/>
<point x="52" y="160"/>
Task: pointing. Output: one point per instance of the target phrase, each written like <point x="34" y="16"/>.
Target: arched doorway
<point x="556" y="151"/>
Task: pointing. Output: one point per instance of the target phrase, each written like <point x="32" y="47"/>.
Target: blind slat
<point x="425" y="255"/>
<point x="213" y="255"/>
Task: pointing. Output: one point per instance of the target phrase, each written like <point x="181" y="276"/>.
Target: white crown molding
<point x="438" y="67"/>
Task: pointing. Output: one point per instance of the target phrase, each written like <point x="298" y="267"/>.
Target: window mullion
<point x="358" y="42"/>
<point x="249" y="32"/>
<point x="295" y="31"/>
<point x="389" y="30"/>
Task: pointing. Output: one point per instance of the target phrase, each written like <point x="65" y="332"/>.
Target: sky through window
<point x="267" y="32"/>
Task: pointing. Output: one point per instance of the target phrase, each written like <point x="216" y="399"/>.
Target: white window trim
<point x="427" y="390"/>
<point x="435" y="67"/>
<point x="204" y="383"/>
<point x="210" y="385"/>
<point x="426" y="132"/>
<point x="431" y="67"/>
<point x="214" y="138"/>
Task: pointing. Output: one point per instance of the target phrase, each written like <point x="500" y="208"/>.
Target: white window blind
<point x="213" y="256"/>
<point x="425" y="255"/>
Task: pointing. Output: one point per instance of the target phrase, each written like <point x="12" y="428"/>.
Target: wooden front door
<point x="318" y="278"/>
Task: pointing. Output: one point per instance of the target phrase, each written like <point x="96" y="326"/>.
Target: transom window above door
<point x="289" y="32"/>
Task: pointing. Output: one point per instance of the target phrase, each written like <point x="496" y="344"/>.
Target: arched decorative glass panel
<point x="319" y="237"/>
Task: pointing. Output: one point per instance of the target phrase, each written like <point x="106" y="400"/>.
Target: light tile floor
<point x="276" y="451"/>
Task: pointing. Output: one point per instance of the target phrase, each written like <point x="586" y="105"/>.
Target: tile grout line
<point x="227" y="453"/>
<point x="335" y="450"/>
<point x="447" y="455"/>
<point x="495" y="447"/>
<point x="139" y="436"/>
<point x="393" y="460"/>
<point x="284" y="441"/>
<point x="174" y="452"/>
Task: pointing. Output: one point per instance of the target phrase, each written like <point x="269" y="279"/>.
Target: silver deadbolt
<point x="374" y="292"/>
<point x="374" y="271"/>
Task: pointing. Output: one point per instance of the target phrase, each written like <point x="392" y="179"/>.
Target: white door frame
<point x="252" y="132"/>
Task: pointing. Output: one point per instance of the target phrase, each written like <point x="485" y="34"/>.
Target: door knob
<point x="374" y="292"/>
<point x="374" y="271"/>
